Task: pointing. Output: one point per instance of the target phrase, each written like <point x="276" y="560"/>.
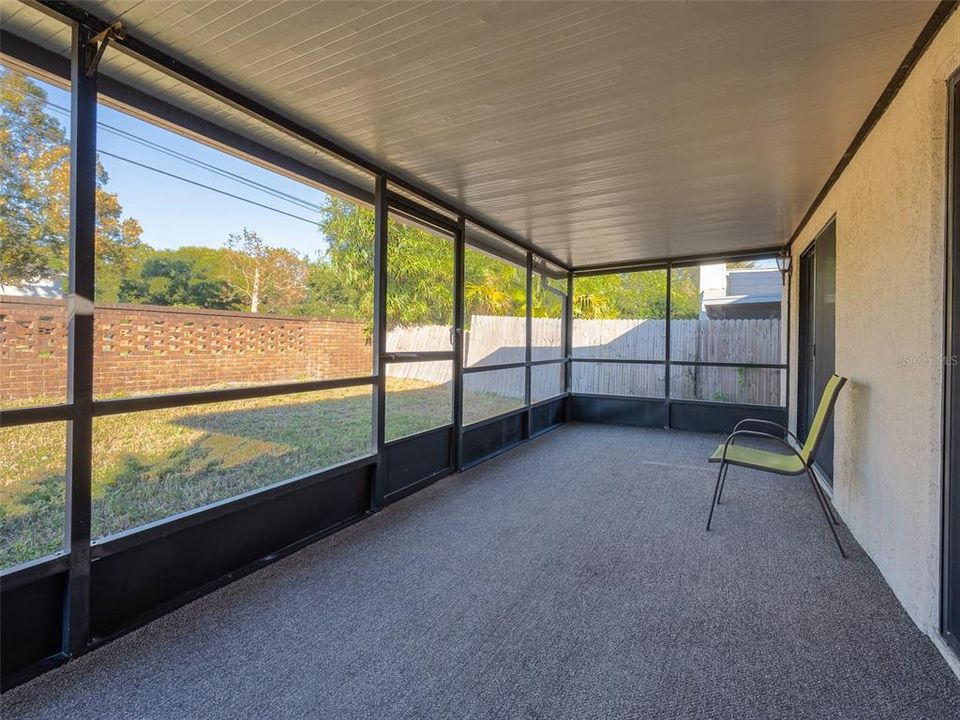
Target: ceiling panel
<point x="601" y="132"/>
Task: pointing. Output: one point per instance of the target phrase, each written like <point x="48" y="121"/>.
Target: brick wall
<point x="140" y="349"/>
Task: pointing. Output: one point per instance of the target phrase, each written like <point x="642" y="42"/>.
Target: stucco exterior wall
<point x="890" y="212"/>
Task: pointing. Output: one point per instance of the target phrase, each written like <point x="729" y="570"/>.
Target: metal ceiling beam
<point x="940" y="16"/>
<point x="663" y="263"/>
<point x="118" y="95"/>
<point x="71" y="12"/>
<point x="197" y="78"/>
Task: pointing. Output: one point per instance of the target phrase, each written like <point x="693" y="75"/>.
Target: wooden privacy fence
<point x="489" y="340"/>
<point x="727" y="341"/>
<point x="498" y="340"/>
<point x="700" y="340"/>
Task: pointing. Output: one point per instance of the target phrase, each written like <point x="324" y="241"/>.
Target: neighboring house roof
<point x="754" y="292"/>
<point x="741" y="300"/>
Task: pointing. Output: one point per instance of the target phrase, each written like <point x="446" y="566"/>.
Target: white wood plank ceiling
<point x="601" y="132"/>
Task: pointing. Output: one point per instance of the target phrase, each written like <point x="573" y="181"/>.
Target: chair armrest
<point x="772" y="424"/>
<point x="756" y="433"/>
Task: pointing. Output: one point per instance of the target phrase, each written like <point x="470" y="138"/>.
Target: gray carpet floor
<point x="569" y="578"/>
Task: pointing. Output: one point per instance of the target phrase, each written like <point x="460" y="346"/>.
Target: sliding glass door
<point x="818" y="336"/>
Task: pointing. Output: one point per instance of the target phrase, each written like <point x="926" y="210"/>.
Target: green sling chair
<point x="797" y="463"/>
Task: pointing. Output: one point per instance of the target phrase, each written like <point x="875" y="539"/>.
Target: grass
<point x="150" y="465"/>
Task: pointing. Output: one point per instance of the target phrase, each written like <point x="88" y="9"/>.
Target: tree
<point x="266" y="276"/>
<point x="685" y="293"/>
<point x="420" y="279"/>
<point x="419" y="276"/>
<point x="340" y="283"/>
<point x="420" y="273"/>
<point x="173" y="277"/>
<point x="594" y="297"/>
<point x="638" y="295"/>
<point x="493" y="288"/>
<point x="35" y="196"/>
<point x="419" y="269"/>
<point x="34" y="176"/>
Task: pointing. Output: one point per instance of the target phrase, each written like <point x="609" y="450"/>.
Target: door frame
<point x="806" y="286"/>
<point x="806" y="289"/>
<point x="806" y="324"/>
<point x="950" y="499"/>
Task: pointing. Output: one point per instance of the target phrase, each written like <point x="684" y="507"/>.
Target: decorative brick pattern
<point x="140" y="349"/>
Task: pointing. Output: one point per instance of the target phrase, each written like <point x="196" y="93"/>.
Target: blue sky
<point x="174" y="213"/>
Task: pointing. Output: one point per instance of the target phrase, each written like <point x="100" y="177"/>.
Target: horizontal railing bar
<point x="548" y="361"/>
<point x="53" y="413"/>
<point x="496" y="418"/>
<point x="446" y="426"/>
<point x="417" y="356"/>
<point x="608" y="396"/>
<point x="33" y="415"/>
<point x="119" y="406"/>
<point x="418" y="485"/>
<point x="111" y="544"/>
<point x="553" y="398"/>
<point x="691" y="363"/>
<point x="27" y="572"/>
<point x="491" y="368"/>
<point x="678" y="401"/>
<point x="625" y="361"/>
<point x="512" y="366"/>
<point x="718" y="404"/>
<point x="759" y="366"/>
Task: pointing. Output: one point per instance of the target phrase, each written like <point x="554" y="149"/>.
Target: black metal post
<point x="786" y="359"/>
<point x="528" y="350"/>
<point x="381" y="218"/>
<point x="83" y="219"/>
<point x="459" y="252"/>
<point x="568" y="346"/>
<point x="666" y="360"/>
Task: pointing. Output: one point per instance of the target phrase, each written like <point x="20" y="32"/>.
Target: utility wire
<point x="279" y="194"/>
<point x="206" y="187"/>
<point x="199" y="163"/>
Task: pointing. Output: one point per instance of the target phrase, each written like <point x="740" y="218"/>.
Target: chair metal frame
<point x="828" y="512"/>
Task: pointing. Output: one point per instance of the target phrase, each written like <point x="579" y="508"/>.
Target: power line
<point x="206" y="187"/>
<point x="199" y="163"/>
<point x="279" y="194"/>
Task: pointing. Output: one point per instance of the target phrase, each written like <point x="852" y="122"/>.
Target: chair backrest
<point x="824" y="411"/>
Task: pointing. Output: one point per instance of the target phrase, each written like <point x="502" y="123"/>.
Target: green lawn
<point x="150" y="465"/>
